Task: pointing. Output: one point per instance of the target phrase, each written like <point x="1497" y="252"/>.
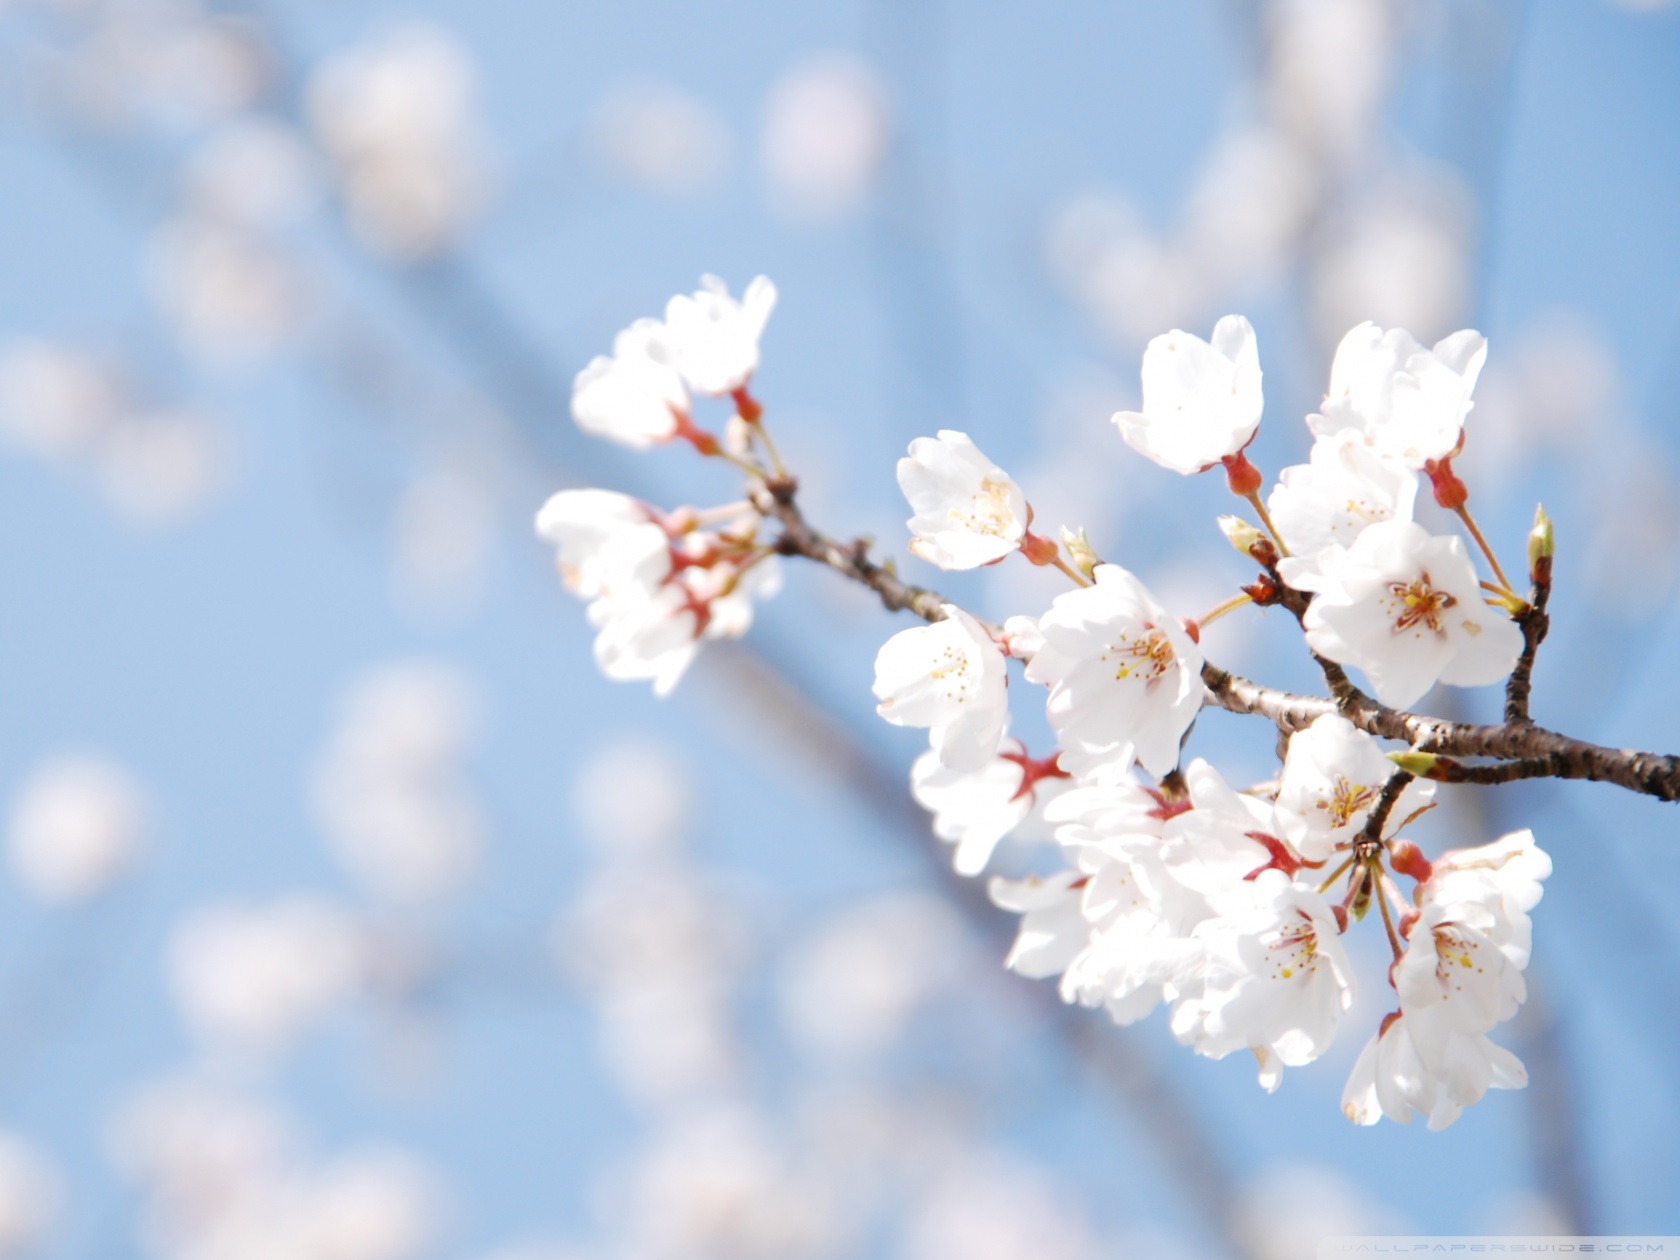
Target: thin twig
<point x="1651" y="774"/>
<point x="1448" y="770"/>
<point x="849" y="559"/>
<point x="1534" y="622"/>
<point x="1378" y="817"/>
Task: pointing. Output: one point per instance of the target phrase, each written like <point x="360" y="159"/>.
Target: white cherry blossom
<point x="1124" y="676"/>
<point x="1392" y="1079"/>
<point x="579" y="523"/>
<point x="657" y="588"/>
<point x="255" y="976"/>
<point x="1460" y="976"/>
<point x="1224" y="839"/>
<point x="1404" y="606"/>
<point x="1092" y="812"/>
<point x="1408" y="401"/>
<point x="1099" y="927"/>
<point x="1021" y="637"/>
<point x="1114" y="928"/>
<point x="1332" y="776"/>
<point x="635" y="397"/>
<point x="968" y="510"/>
<point x="1504" y="877"/>
<point x="950" y="677"/>
<point x="1472" y="937"/>
<point x="1053" y="926"/>
<point x="1453" y="977"/>
<point x="1277" y="980"/>
<point x="1201" y="401"/>
<point x="648" y="640"/>
<point x="713" y="339"/>
<point x="731" y="592"/>
<point x="1345" y="486"/>
<point x="1135" y="959"/>
<point x="976" y="809"/>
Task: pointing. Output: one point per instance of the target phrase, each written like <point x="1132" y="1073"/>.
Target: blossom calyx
<point x="712" y="339"/>
<point x="1450" y="492"/>
<point x="1084" y="556"/>
<point x="1407" y="859"/>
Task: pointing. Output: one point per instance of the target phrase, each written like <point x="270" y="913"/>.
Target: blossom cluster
<point x="1227" y="907"/>
<point x="661" y="583"/>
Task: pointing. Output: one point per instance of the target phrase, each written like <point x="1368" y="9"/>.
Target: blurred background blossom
<point x="348" y="914"/>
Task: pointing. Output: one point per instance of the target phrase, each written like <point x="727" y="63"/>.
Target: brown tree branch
<point x="1534" y="622"/>
<point x="1449" y="770"/>
<point x="1378" y="818"/>
<point x="1651" y="774"/>
<point x="848" y="559"/>
<point x="1530" y="751"/>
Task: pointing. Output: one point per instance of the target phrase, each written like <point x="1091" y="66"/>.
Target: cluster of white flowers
<point x="661" y="583"/>
<point x="1185" y="892"/>
<point x="1178" y="889"/>
<point x="224" y="1174"/>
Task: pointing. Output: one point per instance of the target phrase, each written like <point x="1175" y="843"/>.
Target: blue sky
<point x="209" y="655"/>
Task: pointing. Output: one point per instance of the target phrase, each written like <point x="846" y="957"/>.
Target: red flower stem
<point x="1266" y="520"/>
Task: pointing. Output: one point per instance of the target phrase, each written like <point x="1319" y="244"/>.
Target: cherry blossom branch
<point x="1534" y="622"/>
<point x="1529" y="751"/>
<point x="1378" y="817"/>
<point x="1449" y="770"/>
<point x="848" y="559"/>
<point x="1276" y="591"/>
<point x="1651" y="774"/>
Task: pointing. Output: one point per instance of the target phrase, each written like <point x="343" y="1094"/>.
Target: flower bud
<point x="737" y="437"/>
<point x="1243" y="477"/>
<point x="1361" y="901"/>
<point x="1038" y="549"/>
<point x="1084" y="556"/>
<point x="1249" y="540"/>
<point x="1540" y="545"/>
<point x="1239" y="533"/>
<point x="1418" y="764"/>
<point x="1407" y="859"/>
<point x="1450" y="492"/>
